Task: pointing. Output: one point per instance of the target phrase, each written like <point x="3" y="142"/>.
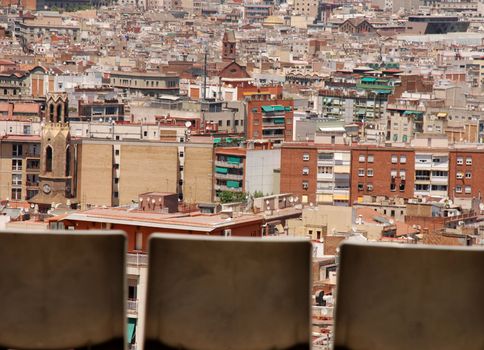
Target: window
<point x="402" y="185"/>
<point x="17" y="150"/>
<point x="371" y="158"/>
<point x="460" y="160"/>
<point x="403" y="159"/>
<point x="305" y="171"/>
<point x="393" y="187"/>
<point x="459" y="175"/>
<point x="16" y="193"/>
<point x="116" y="194"/>
<point x="361" y="172"/>
<point x="182" y="154"/>
<point x="369" y="172"/>
<point x="116" y="180"/>
<point x="468" y="161"/>
<point x="468" y="175"/>
<point x="16" y="164"/>
<point x="393" y="173"/>
<point x="402" y="174"/>
<point x="361" y="158"/>
<point x="468" y="189"/>
<point x="305" y="156"/>
<point x="220" y="123"/>
<point x="305" y="185"/>
<point x="16" y="179"/>
<point x="394" y="159"/>
<point x="369" y="187"/>
<point x="458" y="189"/>
<point x="48" y="159"/>
<point x="228" y="122"/>
<point x="116" y="152"/>
<point x="360" y="187"/>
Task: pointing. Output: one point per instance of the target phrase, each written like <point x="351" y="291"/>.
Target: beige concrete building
<point x="115" y="172"/>
<point x="19" y="167"/>
<point x="307" y="7"/>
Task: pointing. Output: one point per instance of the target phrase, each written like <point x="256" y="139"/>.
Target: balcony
<point x="132" y="306"/>
<point x="227" y="188"/>
<point x="137" y="259"/>
<point x="439" y="180"/>
<point x="228" y="164"/>
<point x="322" y="176"/>
<point x="423" y="165"/>
<point x="229" y="176"/>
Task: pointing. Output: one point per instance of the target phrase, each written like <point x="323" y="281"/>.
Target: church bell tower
<point x="56" y="157"/>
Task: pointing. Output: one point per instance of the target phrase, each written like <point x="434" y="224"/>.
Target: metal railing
<point x="137" y="259"/>
<point x="132" y="305"/>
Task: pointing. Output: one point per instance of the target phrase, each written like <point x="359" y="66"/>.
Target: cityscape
<point x="324" y="124"/>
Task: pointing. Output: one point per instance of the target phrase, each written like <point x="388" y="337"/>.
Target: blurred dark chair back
<point x="211" y="293"/>
<point x="409" y="297"/>
<point x="62" y="290"/>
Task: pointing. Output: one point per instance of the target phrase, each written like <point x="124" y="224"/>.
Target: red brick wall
<point x="254" y="118"/>
<point x="292" y="165"/>
<point x="253" y="228"/>
<point x="382" y="167"/>
<point x="476" y="169"/>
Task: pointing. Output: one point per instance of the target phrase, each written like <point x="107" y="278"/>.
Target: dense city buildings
<point x="339" y="121"/>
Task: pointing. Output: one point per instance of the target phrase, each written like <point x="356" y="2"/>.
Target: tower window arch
<point x="51" y="113"/>
<point x="48" y="159"/>
<point x="68" y="161"/>
<point x="59" y="113"/>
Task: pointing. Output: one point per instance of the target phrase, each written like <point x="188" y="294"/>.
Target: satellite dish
<point x="188" y="124"/>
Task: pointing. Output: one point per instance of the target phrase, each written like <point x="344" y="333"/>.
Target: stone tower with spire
<point x="229" y="47"/>
<point x="56" y="157"/>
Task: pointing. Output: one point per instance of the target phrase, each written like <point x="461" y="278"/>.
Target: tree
<point x="231" y="197"/>
<point x="258" y="194"/>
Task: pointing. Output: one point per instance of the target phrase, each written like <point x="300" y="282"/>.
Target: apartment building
<point x="307" y="7"/>
<point x="115" y="172"/>
<point x="145" y="83"/>
<point x="466" y="171"/>
<point x="382" y="171"/>
<point x="19" y="166"/>
<point x="229" y="174"/>
<point x="269" y="119"/>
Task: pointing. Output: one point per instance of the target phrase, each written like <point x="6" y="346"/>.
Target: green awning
<point x="233" y="184"/>
<point x="228" y="140"/>
<point x="279" y="121"/>
<point x="412" y="113"/>
<point x="368" y="80"/>
<point x="131" y="329"/>
<point x="288" y="109"/>
<point x="217" y="140"/>
<point x="221" y="170"/>
<point x="233" y="160"/>
<point x="383" y="91"/>
<point x="275" y="108"/>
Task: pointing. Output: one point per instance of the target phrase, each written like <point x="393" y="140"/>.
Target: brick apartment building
<point x="299" y="170"/>
<point x="382" y="171"/>
<point x="466" y="171"/>
<point x="318" y="173"/>
<point x="269" y="119"/>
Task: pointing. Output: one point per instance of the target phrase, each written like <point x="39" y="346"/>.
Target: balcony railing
<point x="229" y="176"/>
<point x="132" y="305"/>
<point x="228" y="165"/>
<point x="137" y="259"/>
